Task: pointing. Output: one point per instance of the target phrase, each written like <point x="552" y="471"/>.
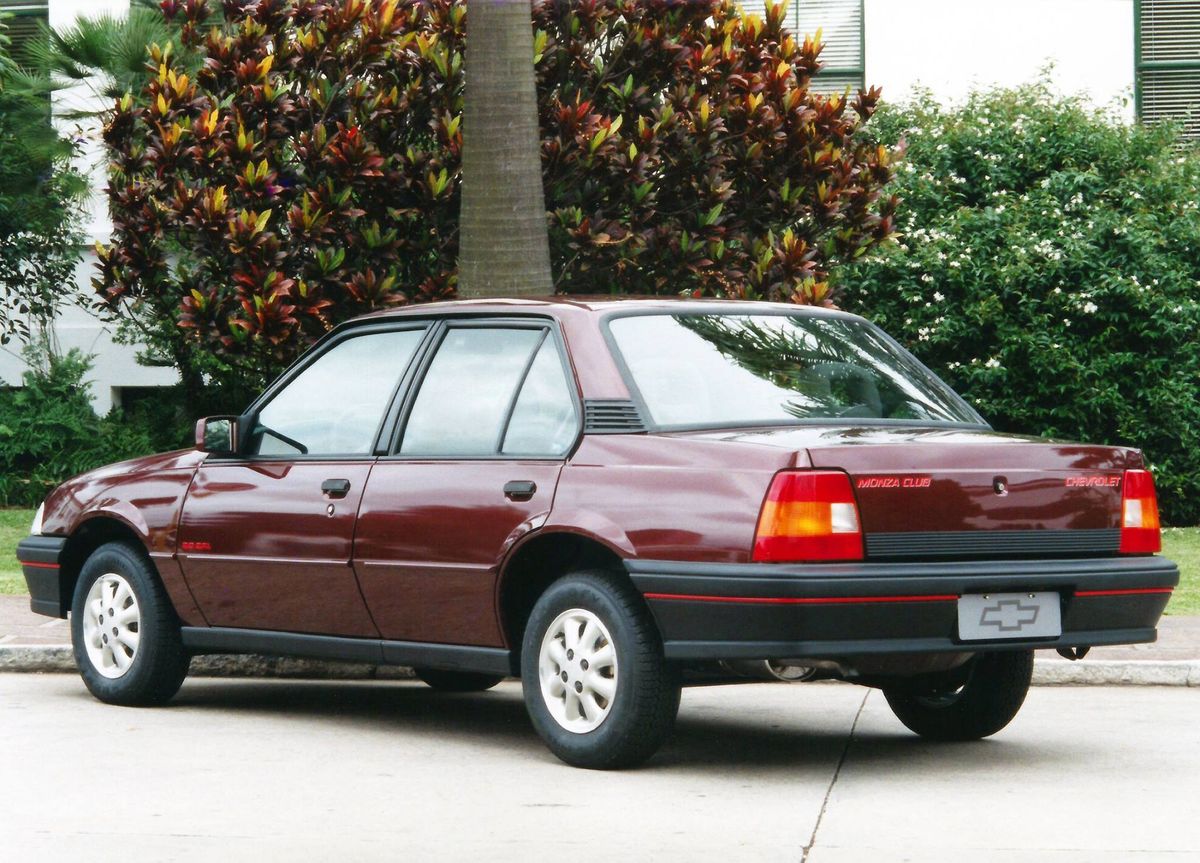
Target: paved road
<point x="290" y="770"/>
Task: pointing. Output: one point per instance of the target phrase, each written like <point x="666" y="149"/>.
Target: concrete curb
<point x="58" y="659"/>
<point x="1107" y="672"/>
<point x="1046" y="672"/>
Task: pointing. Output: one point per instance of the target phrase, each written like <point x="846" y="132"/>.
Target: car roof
<point x="572" y="306"/>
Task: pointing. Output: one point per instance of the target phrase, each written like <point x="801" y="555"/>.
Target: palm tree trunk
<point x="504" y="249"/>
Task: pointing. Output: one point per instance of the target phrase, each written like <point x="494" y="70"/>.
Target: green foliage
<point x="309" y="169"/>
<point x="106" y="51"/>
<point x="49" y="432"/>
<point x="39" y="195"/>
<point x="1048" y="267"/>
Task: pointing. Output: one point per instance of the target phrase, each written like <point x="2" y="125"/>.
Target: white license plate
<point x="1009" y="615"/>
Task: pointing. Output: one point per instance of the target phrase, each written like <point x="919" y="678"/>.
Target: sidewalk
<point x="31" y="642"/>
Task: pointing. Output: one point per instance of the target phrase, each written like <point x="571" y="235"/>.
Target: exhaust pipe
<point x="771" y="669"/>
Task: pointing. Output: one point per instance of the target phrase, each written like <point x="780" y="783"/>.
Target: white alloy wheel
<point x="577" y="668"/>
<point x="112" y="625"/>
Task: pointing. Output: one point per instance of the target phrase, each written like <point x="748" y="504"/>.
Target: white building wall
<point x="115" y="365"/>
<point x="952" y="46"/>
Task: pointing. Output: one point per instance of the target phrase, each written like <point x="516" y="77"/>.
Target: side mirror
<point x="217" y="435"/>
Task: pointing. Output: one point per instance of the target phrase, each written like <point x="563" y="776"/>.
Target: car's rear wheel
<point x="124" y="632"/>
<point x="994" y="690"/>
<point x="456" y="681"/>
<point x="597" y="687"/>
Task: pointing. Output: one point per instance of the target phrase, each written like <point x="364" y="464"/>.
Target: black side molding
<point x="448" y="657"/>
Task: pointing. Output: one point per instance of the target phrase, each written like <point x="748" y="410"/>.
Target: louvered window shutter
<point x="22" y="22"/>
<point x="1168" y="63"/>
<point x="841" y="26"/>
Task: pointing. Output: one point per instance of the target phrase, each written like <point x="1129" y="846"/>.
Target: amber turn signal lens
<point x="809" y="515"/>
<point x="1140" y="529"/>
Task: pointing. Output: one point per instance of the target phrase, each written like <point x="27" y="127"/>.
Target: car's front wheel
<point x="124" y="631"/>
<point x="994" y="690"/>
<point x="597" y="687"/>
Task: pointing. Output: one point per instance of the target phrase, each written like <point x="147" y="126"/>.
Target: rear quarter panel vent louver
<point x="612" y="416"/>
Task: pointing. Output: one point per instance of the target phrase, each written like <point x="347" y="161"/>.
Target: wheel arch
<point x="538" y="562"/>
<point x="89" y="535"/>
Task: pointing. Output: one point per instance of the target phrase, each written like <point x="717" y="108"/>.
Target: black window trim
<point x="700" y="310"/>
<point x="317" y="351"/>
<point x="548" y="325"/>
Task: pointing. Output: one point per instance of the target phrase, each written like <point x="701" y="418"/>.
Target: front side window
<point x="336" y="404"/>
<point x="746" y="370"/>
<point x="491" y="391"/>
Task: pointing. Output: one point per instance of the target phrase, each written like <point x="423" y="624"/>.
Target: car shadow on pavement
<point x="701" y="742"/>
<point x="376" y="706"/>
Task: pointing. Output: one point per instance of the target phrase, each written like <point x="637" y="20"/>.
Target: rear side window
<point x="336" y="404"/>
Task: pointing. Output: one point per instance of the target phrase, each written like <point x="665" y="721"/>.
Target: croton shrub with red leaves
<point x="297" y="162"/>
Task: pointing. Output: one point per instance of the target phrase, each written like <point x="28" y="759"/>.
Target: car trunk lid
<point x="959" y="494"/>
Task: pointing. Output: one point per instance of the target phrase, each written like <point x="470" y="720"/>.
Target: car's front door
<point x="476" y="465"/>
<point x="265" y="538"/>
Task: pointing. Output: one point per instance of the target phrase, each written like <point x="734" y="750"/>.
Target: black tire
<point x="159" y="664"/>
<point x="642" y="709"/>
<point x="995" y="689"/>
<point x="457" y="681"/>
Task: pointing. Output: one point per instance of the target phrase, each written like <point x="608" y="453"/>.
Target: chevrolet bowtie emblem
<point x="1009" y="615"/>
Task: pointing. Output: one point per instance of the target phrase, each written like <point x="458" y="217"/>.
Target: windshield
<point x="703" y="370"/>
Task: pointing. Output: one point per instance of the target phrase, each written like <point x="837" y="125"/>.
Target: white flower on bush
<point x="938" y="297"/>
<point x="992" y="363"/>
<point x="1090" y="308"/>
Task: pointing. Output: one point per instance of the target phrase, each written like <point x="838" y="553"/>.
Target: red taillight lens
<point x="809" y="515"/>
<point x="1140" y="532"/>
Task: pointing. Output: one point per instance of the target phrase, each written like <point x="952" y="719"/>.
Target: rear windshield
<point x="704" y="370"/>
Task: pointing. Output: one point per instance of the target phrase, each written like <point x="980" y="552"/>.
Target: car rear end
<point x="906" y="529"/>
<point x="850" y="558"/>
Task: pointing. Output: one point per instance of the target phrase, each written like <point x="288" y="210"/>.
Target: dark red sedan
<point x="609" y="499"/>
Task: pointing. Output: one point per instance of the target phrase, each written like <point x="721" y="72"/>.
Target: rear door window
<point x="492" y="391"/>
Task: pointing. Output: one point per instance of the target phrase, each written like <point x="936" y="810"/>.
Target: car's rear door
<point x="474" y="465"/>
<point x="265" y="538"/>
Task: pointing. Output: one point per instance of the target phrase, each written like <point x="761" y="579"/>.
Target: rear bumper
<point x="40" y="561"/>
<point x="830" y="611"/>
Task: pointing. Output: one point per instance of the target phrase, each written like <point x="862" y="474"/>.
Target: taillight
<point x="809" y="515"/>
<point x="1140" y="533"/>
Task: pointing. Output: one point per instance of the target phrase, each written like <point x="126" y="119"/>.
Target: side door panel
<point x="430" y="539"/>
<point x="265" y="539"/>
<point x="484" y="436"/>
<point x="261" y="550"/>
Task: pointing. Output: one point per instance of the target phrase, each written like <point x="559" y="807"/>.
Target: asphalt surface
<point x="304" y="770"/>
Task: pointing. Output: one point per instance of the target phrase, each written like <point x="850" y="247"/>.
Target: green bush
<point x="49" y="432"/>
<point x="1047" y="267"/>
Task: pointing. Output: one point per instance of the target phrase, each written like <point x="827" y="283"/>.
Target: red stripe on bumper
<point x="1136" y="591"/>
<point x="35" y="565"/>
<point x="802" y="600"/>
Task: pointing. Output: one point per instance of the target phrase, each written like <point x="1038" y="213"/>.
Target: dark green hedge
<point x="1048" y="268"/>
<point x="49" y="432"/>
